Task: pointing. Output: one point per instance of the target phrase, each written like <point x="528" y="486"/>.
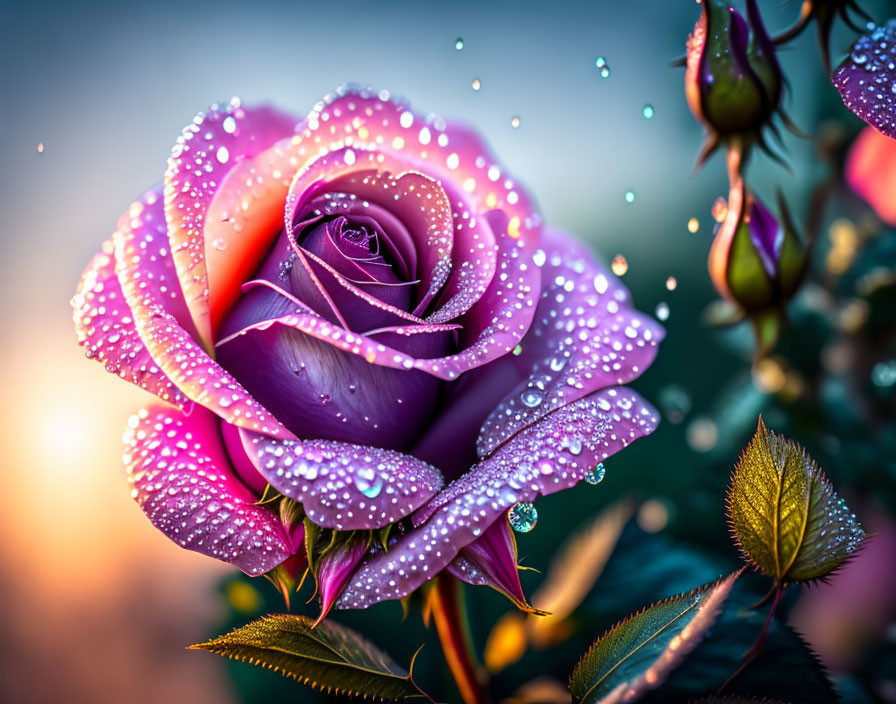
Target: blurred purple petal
<point x="145" y="273"/>
<point x="585" y="337"/>
<point x="554" y="454"/>
<point x="867" y="78"/>
<point x="344" y="486"/>
<point x="183" y="481"/>
<point x="206" y="151"/>
<point x="105" y="328"/>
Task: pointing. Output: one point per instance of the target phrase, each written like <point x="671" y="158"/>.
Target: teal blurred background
<point x="94" y="95"/>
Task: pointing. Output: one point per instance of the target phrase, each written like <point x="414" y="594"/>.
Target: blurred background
<point x="96" y="605"/>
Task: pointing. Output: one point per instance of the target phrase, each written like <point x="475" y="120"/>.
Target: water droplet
<point x="523" y="517"/>
<point x="619" y="265"/>
<point x="573" y="444"/>
<point x="223" y="155"/>
<point x="629" y="196"/>
<point x="229" y="124"/>
<point x="532" y="398"/>
<point x="602" y="67"/>
<point x="858" y="56"/>
<point x="370" y="489"/>
<point x="325" y="398"/>
<point x="647" y="112"/>
<point x="40" y="147"/>
<point x="557" y="363"/>
<point x="596" y="475"/>
<point x="517" y="351"/>
<point x="662" y="311"/>
<point x="477" y="84"/>
<point x="671" y="283"/>
<point x="514" y="122"/>
<point x="220" y="244"/>
<point x="458" y="43"/>
<point x="883" y="375"/>
<point x="693" y="225"/>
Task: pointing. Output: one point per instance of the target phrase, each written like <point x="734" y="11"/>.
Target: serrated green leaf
<point x="784" y="513"/>
<point x="329" y="657"/>
<point x="638" y="653"/>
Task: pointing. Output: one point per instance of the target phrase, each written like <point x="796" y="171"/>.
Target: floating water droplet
<point x="629" y="196"/>
<point x="671" y="283"/>
<point x="458" y="43"/>
<point x="477" y="84"/>
<point x="40" y="147"/>
<point x="662" y="311"/>
<point x="596" y="475"/>
<point x="517" y="351"/>
<point x="647" y="112"/>
<point x="619" y="265"/>
<point x="883" y="375"/>
<point x="532" y="398"/>
<point x="693" y="225"/>
<point x="523" y="517"/>
<point x="514" y="122"/>
<point x="602" y="67"/>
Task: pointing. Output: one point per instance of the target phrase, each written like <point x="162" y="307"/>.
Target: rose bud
<point x="733" y="81"/>
<point x="757" y="262"/>
<point x="342" y="314"/>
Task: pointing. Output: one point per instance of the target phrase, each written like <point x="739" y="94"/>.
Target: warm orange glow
<point x="871" y="172"/>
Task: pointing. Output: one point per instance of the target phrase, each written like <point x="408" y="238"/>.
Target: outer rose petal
<point x="344" y="486"/>
<point x="585" y="337"/>
<point x="206" y="151"/>
<point x="871" y="172"/>
<point x="867" y="76"/>
<point x="146" y="275"/>
<point x="185" y="485"/>
<point x="535" y="462"/>
<point x="106" y="330"/>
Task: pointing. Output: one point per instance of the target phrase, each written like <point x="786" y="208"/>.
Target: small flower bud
<point x="733" y="81"/>
<point x="756" y="261"/>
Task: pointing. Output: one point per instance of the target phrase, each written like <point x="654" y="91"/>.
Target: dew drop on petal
<point x="523" y="517"/>
<point x="532" y="398"/>
<point x="223" y="155"/>
<point x="596" y="475"/>
<point x="229" y="124"/>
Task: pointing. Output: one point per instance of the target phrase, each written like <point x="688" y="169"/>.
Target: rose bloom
<point x="368" y="345"/>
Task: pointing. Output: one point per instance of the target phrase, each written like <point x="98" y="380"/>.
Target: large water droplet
<point x="647" y="112"/>
<point x="458" y="43"/>
<point x="532" y="398"/>
<point x="602" y="67"/>
<point x="596" y="475"/>
<point x="629" y="196"/>
<point x="523" y="517"/>
<point x="370" y="489"/>
<point x="662" y="311"/>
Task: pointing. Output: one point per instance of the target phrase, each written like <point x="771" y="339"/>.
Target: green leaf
<point x="329" y="657"/>
<point x="637" y="654"/>
<point x="784" y="513"/>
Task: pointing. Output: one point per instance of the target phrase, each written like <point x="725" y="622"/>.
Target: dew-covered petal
<point x="867" y="78"/>
<point x="871" y="172"/>
<point x="105" y="328"/>
<point x="585" y="337"/>
<point x="180" y="476"/>
<point x="207" y="149"/>
<point x="146" y="275"/>
<point x="553" y="454"/>
<point x="344" y="486"/>
<point x="317" y="390"/>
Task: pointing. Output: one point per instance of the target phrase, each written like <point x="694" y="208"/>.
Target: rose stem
<point x="450" y="615"/>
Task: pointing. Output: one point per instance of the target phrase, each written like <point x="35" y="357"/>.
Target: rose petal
<point x="105" y="328"/>
<point x="585" y="337"/>
<point x="535" y="462"/>
<point x="344" y="486"/>
<point x="317" y="390"/>
<point x="146" y="275"/>
<point x="205" y="152"/>
<point x="871" y="172"/>
<point x="183" y="481"/>
<point x="867" y="78"/>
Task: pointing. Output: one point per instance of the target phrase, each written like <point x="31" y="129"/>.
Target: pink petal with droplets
<point x="148" y="281"/>
<point x="344" y="486"/>
<point x="206" y="151"/>
<point x="549" y="456"/>
<point x="585" y="337"/>
<point x="182" y="480"/>
<point x="105" y="328"/>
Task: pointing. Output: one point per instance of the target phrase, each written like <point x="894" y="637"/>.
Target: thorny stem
<point x="450" y="616"/>
<point x="756" y="649"/>
<point x="799" y="25"/>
